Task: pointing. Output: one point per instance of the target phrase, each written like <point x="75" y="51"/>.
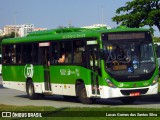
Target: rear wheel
<point x="30" y="91"/>
<point x="83" y="95"/>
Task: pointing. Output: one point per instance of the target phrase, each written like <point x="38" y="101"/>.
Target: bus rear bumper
<point x="108" y="92"/>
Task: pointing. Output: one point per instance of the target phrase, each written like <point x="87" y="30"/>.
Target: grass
<point x="81" y="113"/>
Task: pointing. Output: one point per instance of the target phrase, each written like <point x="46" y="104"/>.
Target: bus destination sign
<point x="125" y="36"/>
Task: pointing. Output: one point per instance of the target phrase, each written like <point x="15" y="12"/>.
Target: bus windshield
<point x="129" y="60"/>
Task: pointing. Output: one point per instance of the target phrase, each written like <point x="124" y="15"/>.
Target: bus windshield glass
<point x="129" y="59"/>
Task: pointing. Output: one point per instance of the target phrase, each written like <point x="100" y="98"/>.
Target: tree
<point x="139" y="13"/>
<point x="12" y="35"/>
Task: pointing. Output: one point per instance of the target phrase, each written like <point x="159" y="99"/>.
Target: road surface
<point x="18" y="98"/>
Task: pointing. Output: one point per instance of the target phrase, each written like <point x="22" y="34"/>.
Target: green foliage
<point x="7" y="36"/>
<point x="139" y="13"/>
<point x="156" y="39"/>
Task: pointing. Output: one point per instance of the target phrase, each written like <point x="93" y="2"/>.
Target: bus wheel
<point x="83" y="95"/>
<point x="128" y="100"/>
<point x="30" y="91"/>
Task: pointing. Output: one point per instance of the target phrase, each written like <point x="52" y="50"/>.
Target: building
<point x="8" y="29"/>
<point x="1" y="32"/>
<point x="21" y="30"/>
<point x="39" y="29"/>
<point x="98" y="26"/>
<point x="25" y="29"/>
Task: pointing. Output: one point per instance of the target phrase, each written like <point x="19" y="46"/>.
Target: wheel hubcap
<point x="30" y="91"/>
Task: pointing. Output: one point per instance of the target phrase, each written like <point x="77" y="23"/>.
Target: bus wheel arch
<point x="30" y="89"/>
<point x="78" y="82"/>
<point x="81" y="93"/>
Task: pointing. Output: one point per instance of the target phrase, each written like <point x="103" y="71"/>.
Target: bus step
<point x="48" y="92"/>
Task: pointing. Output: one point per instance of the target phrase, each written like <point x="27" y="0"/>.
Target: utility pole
<point x="102" y="14"/>
<point x="69" y="24"/>
<point x="14" y="15"/>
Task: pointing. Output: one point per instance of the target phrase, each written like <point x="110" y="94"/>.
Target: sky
<point x="53" y="13"/>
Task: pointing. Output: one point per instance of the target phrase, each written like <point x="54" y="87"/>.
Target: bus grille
<point x="141" y="91"/>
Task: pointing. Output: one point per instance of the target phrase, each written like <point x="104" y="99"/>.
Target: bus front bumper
<point x="109" y="92"/>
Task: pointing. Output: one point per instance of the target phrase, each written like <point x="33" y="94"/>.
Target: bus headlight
<point x="110" y="84"/>
<point x="155" y="80"/>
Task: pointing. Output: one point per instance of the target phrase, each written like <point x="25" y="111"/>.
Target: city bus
<point x="0" y="64"/>
<point x="82" y="63"/>
<point x="157" y="44"/>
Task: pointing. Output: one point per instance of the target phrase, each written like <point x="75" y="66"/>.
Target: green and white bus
<point x="84" y="63"/>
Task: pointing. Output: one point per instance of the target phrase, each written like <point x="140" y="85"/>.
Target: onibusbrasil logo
<point x="28" y="70"/>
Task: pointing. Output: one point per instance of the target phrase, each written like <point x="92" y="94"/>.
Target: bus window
<point x="54" y="53"/>
<point x="65" y="52"/>
<point x="35" y="53"/>
<point x="79" y="49"/>
<point x="0" y="63"/>
<point x="18" y="54"/>
<point x="9" y="54"/>
<point x="6" y="54"/>
<point x="27" y="53"/>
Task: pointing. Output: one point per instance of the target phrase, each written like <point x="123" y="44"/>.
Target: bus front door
<point x="45" y="61"/>
<point x="93" y="64"/>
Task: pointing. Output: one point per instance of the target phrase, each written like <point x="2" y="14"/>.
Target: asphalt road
<point x="18" y="98"/>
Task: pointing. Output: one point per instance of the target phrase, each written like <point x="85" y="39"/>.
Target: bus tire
<point x="30" y="91"/>
<point x="128" y="100"/>
<point x="83" y="95"/>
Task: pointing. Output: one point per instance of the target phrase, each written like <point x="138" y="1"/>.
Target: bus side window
<point x="65" y="52"/>
<point x="77" y="56"/>
<point x="27" y="53"/>
<point x="78" y="51"/>
<point x="5" y="54"/>
<point x="35" y="52"/>
<point x="18" y="54"/>
<point x="13" y="54"/>
<point x="9" y="54"/>
<point x="62" y="53"/>
<point x="54" y="53"/>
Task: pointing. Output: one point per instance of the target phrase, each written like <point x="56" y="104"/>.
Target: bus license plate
<point x="135" y="94"/>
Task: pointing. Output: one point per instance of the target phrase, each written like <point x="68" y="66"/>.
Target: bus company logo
<point x="28" y="70"/>
<point x="121" y="85"/>
<point x="6" y="114"/>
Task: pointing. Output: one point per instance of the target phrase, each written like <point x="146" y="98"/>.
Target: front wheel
<point x="30" y="91"/>
<point x="83" y="95"/>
